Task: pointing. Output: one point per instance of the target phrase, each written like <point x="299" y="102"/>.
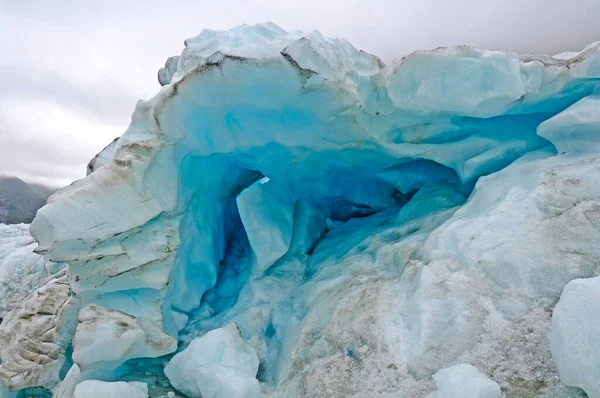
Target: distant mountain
<point x="41" y="190"/>
<point x="20" y="201"/>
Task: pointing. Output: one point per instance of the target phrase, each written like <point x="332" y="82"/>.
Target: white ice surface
<point x="219" y="364"/>
<point x="105" y="338"/>
<point x="21" y="270"/>
<point x="119" y="389"/>
<point x="575" y="338"/>
<point x="464" y="381"/>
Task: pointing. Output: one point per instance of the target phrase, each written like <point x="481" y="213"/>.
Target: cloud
<point x="52" y="147"/>
<point x="104" y="100"/>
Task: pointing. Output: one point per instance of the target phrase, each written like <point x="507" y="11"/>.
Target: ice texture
<point x="220" y="364"/>
<point x="35" y="336"/>
<point x="575" y="338"/>
<point x="103" y="157"/>
<point x="67" y="385"/>
<point x="21" y="270"/>
<point x="101" y="389"/>
<point x="575" y="129"/>
<point x="464" y="381"/>
<point x="106" y="338"/>
<point x="364" y="225"/>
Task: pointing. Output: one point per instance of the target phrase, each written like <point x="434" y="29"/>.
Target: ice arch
<point x="268" y="151"/>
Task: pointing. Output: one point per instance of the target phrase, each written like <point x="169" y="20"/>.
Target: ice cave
<point x="291" y="217"/>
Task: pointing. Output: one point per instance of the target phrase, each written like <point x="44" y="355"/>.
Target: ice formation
<point x="21" y="270"/>
<point x="120" y="389"/>
<point x="464" y="381"/>
<point x="106" y="338"/>
<point x="35" y="336"/>
<point x="364" y="225"/>
<point x="575" y="338"/>
<point x="218" y="364"/>
<point x="103" y="157"/>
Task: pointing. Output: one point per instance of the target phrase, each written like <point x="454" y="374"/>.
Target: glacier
<point x="362" y="225"/>
<point x="218" y="364"/>
<point x="21" y="270"/>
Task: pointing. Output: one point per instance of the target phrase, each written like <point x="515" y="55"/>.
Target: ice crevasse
<point x="363" y="225"/>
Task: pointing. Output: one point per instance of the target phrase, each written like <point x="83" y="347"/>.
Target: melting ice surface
<point x="317" y="198"/>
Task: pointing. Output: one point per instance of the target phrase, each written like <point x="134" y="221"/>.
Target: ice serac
<point x="365" y="225"/>
<point x="103" y="157"/>
<point x="575" y="338"/>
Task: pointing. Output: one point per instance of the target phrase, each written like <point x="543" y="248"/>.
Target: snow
<point x="464" y="381"/>
<point x="219" y="364"/>
<point x="575" y="337"/>
<point x="100" y="389"/>
<point x="363" y="225"/>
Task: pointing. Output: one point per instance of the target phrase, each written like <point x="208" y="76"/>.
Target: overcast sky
<point x="71" y="70"/>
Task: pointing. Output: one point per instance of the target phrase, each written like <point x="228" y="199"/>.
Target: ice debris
<point x="575" y="336"/>
<point x="464" y="381"/>
<point x="220" y="364"/>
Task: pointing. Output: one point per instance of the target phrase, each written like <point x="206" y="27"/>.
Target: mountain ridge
<point x="20" y="201"/>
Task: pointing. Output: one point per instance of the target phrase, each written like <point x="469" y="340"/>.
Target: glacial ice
<point x="21" y="270"/>
<point x="575" y="129"/>
<point x="219" y="364"/>
<point x="67" y="385"/>
<point x="120" y="389"/>
<point x="464" y="381"/>
<point x="364" y="225"/>
<point x="575" y="338"/>
<point x="106" y="338"/>
<point x="36" y="335"/>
